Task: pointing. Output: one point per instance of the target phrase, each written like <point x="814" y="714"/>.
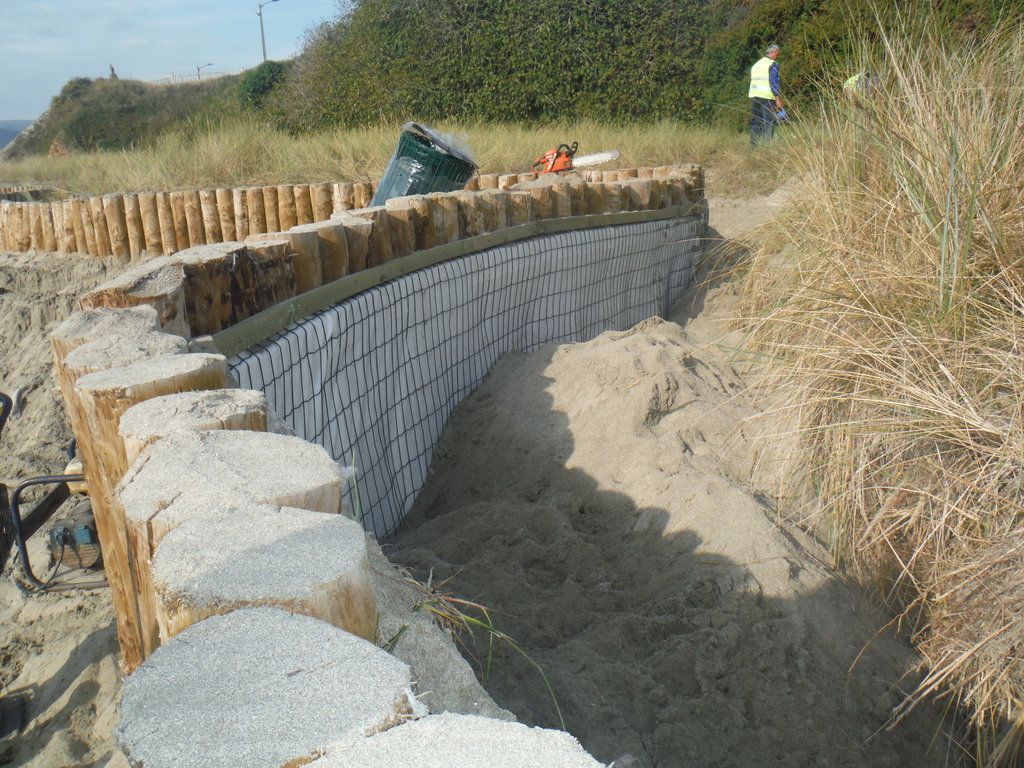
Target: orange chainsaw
<point x="563" y="158"/>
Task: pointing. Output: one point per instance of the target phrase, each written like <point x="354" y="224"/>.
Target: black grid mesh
<point x="374" y="379"/>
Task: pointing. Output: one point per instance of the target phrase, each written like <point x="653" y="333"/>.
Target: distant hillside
<point x="11" y="128"/>
<point x="118" y="114"/>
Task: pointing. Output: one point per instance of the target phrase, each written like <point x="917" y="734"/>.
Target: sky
<point x="45" y="43"/>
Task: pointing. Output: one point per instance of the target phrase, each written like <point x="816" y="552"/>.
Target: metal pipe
<point x="19" y="532"/>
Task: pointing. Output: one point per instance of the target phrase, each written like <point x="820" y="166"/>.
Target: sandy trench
<point x="608" y="501"/>
<point x="604" y="499"/>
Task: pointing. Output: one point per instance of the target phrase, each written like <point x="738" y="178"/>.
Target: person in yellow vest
<point x="858" y="87"/>
<point x="765" y="96"/>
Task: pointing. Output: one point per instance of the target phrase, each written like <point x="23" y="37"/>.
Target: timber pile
<point x="130" y="226"/>
<point x="147" y="422"/>
<point x="227" y="558"/>
<point x="211" y="524"/>
<point x="193" y="473"/>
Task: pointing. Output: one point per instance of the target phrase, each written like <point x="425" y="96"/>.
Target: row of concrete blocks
<point x="243" y="596"/>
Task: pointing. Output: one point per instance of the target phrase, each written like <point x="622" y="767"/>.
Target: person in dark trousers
<point x="765" y="96"/>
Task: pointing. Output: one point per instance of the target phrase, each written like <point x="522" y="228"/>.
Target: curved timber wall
<point x="374" y="378"/>
<point x="363" y="332"/>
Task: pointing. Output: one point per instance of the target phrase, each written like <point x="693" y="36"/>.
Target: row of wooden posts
<point x="207" y="289"/>
<point x="13" y="189"/>
<point x="128" y="226"/>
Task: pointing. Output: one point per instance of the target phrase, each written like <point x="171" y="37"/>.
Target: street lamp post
<point x="199" y="69"/>
<point x="263" y="39"/>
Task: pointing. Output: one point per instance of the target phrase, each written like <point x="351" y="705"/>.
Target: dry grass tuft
<point x="895" y="317"/>
<point x="247" y="152"/>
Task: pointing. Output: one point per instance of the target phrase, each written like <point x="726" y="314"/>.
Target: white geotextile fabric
<point x="374" y="378"/>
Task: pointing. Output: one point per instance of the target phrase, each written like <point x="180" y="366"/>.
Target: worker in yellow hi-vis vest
<point x="858" y="87"/>
<point x="765" y="96"/>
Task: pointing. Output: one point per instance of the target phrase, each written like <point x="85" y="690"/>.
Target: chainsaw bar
<point x="595" y="159"/>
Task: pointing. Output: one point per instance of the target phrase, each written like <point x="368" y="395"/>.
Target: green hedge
<point x="518" y="60"/>
<point x="508" y="61"/>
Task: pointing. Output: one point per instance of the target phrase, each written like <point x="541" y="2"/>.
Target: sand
<point x="37" y="291"/>
<point x="609" y="501"/>
<point x="59" y="648"/>
<point x="618" y="524"/>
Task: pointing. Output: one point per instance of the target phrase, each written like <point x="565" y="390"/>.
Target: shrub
<point x="75" y="88"/>
<point x="519" y="60"/>
<point x="257" y="83"/>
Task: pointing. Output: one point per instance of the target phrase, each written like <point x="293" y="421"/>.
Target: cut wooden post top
<point x="158" y="417"/>
<point x="403" y="202"/>
<point x="462" y="741"/>
<point x="149" y="370"/>
<point x="254" y="553"/>
<point x="92" y="324"/>
<point x="228" y="466"/>
<point x="267" y="241"/>
<point x="549" y="180"/>
<point x="200" y="254"/>
<point x="159" y="282"/>
<point x="349" y="219"/>
<point x="259" y="687"/>
<point x="125" y="348"/>
<point x="369" y="212"/>
<point x="151" y="278"/>
<point x="317" y="226"/>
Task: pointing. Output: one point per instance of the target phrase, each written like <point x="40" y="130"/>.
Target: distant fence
<point x="23" y="192"/>
<point x="32" y="186"/>
<point x="192" y="77"/>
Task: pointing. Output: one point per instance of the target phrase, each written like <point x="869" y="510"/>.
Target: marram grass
<point x="895" y="321"/>
<point x="246" y="152"/>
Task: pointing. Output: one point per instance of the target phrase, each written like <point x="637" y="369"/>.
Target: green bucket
<point x="424" y="161"/>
